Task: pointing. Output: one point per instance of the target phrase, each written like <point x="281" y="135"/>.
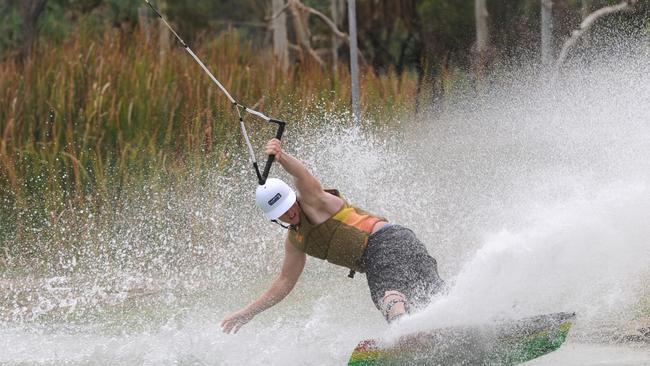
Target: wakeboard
<point x="499" y="343"/>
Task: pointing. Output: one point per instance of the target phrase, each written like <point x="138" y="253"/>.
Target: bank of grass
<point x="97" y="113"/>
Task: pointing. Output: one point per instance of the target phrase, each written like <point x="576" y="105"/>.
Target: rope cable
<point x="238" y="106"/>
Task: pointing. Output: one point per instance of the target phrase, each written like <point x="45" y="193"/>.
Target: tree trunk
<point x="337" y="10"/>
<point x="482" y="39"/>
<point x="482" y="35"/>
<point x="303" y="35"/>
<point x="338" y="17"/>
<point x="30" y="10"/>
<point x="280" y="40"/>
<point x="547" y="32"/>
<point x="301" y="31"/>
<point x="354" y="62"/>
<point x="585" y="10"/>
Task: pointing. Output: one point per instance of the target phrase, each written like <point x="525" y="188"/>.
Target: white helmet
<point x="274" y="198"/>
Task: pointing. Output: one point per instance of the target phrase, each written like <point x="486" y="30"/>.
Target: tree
<point x="547" y="31"/>
<point x="337" y="8"/>
<point x="587" y="23"/>
<point x="481" y="49"/>
<point x="585" y="8"/>
<point x="299" y="14"/>
<point x="389" y="33"/>
<point x="482" y="32"/>
<point x="300" y="19"/>
<point x="280" y="40"/>
<point x="30" y="11"/>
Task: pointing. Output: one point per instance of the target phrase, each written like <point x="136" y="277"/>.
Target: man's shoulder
<point x="320" y="207"/>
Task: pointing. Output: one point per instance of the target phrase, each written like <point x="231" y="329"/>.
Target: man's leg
<point x="393" y="305"/>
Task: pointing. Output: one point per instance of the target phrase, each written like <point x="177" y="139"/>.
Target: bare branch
<point x="330" y="24"/>
<point x="302" y="33"/>
<point x="277" y="13"/>
<point x="316" y="57"/>
<point x="258" y="103"/>
<point x="324" y="18"/>
<point x="586" y="24"/>
<point x="239" y="23"/>
<point x="300" y="28"/>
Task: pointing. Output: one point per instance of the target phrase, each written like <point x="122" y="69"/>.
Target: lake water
<point x="533" y="198"/>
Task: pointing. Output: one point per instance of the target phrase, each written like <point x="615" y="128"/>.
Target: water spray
<point x="261" y="176"/>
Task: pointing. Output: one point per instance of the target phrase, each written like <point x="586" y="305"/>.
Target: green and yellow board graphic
<point x="503" y="343"/>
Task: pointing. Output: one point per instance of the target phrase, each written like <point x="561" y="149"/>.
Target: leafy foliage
<point x="9" y="28"/>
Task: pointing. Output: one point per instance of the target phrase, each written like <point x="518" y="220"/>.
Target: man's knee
<point x="393" y="305"/>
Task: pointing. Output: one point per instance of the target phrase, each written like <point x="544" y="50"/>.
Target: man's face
<point x="292" y="216"/>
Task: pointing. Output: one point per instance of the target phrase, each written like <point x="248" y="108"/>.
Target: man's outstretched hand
<point x="236" y="320"/>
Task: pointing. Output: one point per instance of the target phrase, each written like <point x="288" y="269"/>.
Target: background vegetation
<point x="93" y="98"/>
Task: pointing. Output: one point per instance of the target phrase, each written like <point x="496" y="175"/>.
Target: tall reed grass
<point x="95" y="114"/>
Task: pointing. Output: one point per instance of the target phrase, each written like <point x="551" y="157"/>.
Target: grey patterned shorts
<point x="396" y="260"/>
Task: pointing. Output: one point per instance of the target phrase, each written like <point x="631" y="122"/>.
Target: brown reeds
<point x="91" y="115"/>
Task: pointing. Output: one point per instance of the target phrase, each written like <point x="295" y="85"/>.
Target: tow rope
<point x="261" y="176"/>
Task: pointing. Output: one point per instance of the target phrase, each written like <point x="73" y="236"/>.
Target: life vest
<point x="340" y="240"/>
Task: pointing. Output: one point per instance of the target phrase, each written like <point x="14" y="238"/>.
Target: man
<point x="401" y="275"/>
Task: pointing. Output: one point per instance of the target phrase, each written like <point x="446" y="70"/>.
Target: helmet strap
<point x="281" y="224"/>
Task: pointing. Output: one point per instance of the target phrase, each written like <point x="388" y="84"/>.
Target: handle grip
<point x="267" y="168"/>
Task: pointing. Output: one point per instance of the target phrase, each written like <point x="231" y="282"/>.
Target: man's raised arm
<point x="308" y="186"/>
